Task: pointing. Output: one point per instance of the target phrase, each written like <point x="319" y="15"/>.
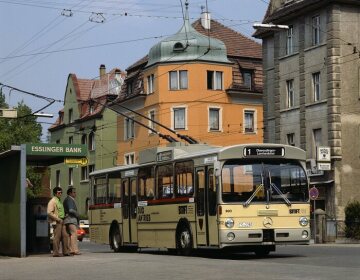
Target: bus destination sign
<point x="264" y="151"/>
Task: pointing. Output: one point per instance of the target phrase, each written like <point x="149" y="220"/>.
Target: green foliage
<point x="23" y="129"/>
<point x="35" y="179"/>
<point x="352" y="220"/>
<point x="3" y="104"/>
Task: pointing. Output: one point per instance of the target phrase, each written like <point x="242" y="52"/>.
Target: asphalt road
<point x="335" y="261"/>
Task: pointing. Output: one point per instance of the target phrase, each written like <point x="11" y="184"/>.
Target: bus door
<point x="129" y="205"/>
<point x="206" y="224"/>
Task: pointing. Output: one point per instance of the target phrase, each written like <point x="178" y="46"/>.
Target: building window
<point x="214" y="119"/>
<point x="178" y="79"/>
<point x="249" y="117"/>
<point x="247" y="78"/>
<point x="179" y="118"/>
<point x="91" y="168"/>
<point x="71" y="116"/>
<point x="214" y="80"/>
<point x="57" y="142"/>
<point x="92" y="141"/>
<point x="57" y="179"/>
<point x="317" y="140"/>
<point x="84" y="173"/>
<point x="290" y="93"/>
<point x="84" y="139"/>
<point x="316" y="30"/>
<point x="151" y="116"/>
<point x="290" y="139"/>
<point x="150" y="83"/>
<point x="71" y="177"/>
<point x="316" y="85"/>
<point x="71" y="140"/>
<point x="129" y="158"/>
<point x="290" y="40"/>
<point x="129" y="128"/>
<point x="130" y="87"/>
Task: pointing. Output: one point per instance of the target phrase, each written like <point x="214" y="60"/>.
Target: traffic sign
<point x="313" y="193"/>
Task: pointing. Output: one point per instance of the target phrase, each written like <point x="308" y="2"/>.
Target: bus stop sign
<point x="313" y="193"/>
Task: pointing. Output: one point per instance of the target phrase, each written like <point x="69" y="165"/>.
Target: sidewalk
<point x="338" y="241"/>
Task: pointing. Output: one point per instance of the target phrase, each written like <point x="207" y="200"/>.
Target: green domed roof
<point x="188" y="45"/>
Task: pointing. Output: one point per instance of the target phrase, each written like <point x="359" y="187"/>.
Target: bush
<point x="352" y="220"/>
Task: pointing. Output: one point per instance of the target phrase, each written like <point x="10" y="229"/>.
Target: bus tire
<point x="115" y="238"/>
<point x="184" y="241"/>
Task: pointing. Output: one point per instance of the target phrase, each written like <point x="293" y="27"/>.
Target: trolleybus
<point x="185" y="197"/>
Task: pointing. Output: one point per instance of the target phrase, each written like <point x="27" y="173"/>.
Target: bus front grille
<point x="268" y="235"/>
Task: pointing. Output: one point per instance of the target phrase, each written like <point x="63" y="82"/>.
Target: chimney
<point x="102" y="70"/>
<point x="205" y="18"/>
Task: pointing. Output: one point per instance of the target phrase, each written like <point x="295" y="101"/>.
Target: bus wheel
<point x="184" y="241"/>
<point x="115" y="238"/>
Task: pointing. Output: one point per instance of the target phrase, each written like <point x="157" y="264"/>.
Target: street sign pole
<point x="314" y="194"/>
<point x="314" y="221"/>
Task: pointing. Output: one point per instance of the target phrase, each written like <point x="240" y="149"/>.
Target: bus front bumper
<point x="235" y="237"/>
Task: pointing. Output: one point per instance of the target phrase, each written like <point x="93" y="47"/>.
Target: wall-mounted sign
<point x="76" y="161"/>
<point x="65" y="150"/>
<point x="324" y="166"/>
<point x="314" y="172"/>
<point x="323" y="154"/>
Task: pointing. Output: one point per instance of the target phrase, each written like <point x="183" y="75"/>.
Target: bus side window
<point x="184" y="178"/>
<point x="146" y="183"/>
<point x="165" y="188"/>
<point x="150" y="194"/>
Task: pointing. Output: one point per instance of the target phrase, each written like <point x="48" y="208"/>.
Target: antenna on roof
<point x="186" y="19"/>
<point x="207" y="18"/>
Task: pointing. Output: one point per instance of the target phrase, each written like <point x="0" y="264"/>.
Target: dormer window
<point x="130" y="88"/>
<point x="247" y="76"/>
<point x="178" y="47"/>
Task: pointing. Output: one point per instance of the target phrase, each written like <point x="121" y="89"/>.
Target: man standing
<point x="56" y="214"/>
<point x="72" y="220"/>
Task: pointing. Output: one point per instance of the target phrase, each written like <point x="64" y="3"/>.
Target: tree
<point x="23" y="129"/>
<point x="352" y="219"/>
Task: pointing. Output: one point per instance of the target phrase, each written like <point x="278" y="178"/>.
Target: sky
<point x="43" y="41"/>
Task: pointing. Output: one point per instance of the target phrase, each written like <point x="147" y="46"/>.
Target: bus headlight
<point x="229" y="223"/>
<point x="303" y="221"/>
<point x="231" y="236"/>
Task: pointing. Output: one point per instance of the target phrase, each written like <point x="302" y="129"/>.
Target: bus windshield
<point x="275" y="181"/>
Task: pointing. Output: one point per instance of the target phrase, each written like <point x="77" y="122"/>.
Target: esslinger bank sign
<point x="63" y="150"/>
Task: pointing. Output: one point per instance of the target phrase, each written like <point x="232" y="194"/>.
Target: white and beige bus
<point x="239" y="198"/>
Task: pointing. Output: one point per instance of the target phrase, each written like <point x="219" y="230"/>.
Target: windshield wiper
<point x="280" y="193"/>
<point x="247" y="202"/>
